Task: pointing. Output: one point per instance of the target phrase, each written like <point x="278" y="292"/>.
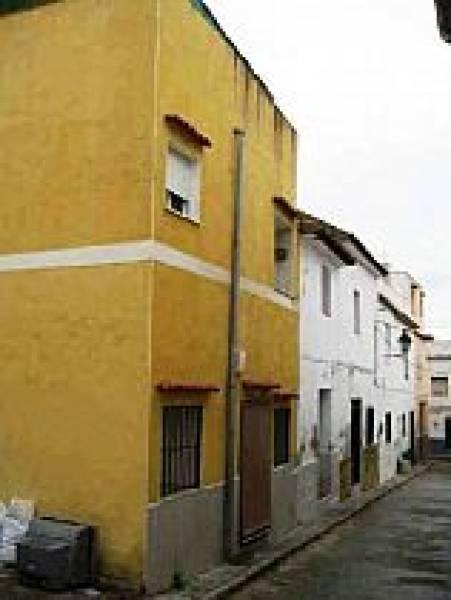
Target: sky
<point x="367" y="84"/>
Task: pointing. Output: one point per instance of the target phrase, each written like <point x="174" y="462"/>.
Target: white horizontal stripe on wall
<point x="131" y="252"/>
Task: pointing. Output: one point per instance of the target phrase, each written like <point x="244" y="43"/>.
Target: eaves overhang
<point x="188" y="129"/>
<point x="14" y="6"/>
<point x="286" y="207"/>
<point x="343" y="243"/>
<point x="400" y="315"/>
<point x="425" y="337"/>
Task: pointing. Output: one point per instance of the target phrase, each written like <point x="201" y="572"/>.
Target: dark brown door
<point x="255" y="469"/>
<point x="412" y="437"/>
<point x="448" y="433"/>
<point x="356" y="440"/>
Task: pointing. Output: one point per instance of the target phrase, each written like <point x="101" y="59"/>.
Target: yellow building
<point x="421" y="350"/>
<point x="123" y="126"/>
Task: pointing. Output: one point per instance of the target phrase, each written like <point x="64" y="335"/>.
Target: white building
<point x="355" y="397"/>
<point x="440" y="398"/>
<point x="395" y="373"/>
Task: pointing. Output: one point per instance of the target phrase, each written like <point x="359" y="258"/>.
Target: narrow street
<point x="400" y="548"/>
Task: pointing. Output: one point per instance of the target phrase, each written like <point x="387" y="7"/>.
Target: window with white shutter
<point x="182" y="184"/>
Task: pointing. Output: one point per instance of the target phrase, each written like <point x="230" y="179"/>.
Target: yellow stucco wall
<point x="76" y="110"/>
<point x="204" y="81"/>
<point x="85" y="86"/>
<point x="76" y="123"/>
<point x="73" y="400"/>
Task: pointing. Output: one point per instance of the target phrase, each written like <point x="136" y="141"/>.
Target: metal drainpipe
<point x="232" y="396"/>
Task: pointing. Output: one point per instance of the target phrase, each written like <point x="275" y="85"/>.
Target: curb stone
<point x="267" y="563"/>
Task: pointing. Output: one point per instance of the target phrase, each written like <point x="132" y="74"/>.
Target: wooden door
<point x="325" y="441"/>
<point x="356" y="440"/>
<point x="412" y="437"/>
<point x="255" y="468"/>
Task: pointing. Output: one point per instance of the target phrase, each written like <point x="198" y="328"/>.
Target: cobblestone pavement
<point x="399" y="548"/>
<point x="11" y="590"/>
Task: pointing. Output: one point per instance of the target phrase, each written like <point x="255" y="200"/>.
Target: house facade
<point x="358" y="394"/>
<point x="395" y="374"/>
<point x="440" y="398"/>
<point x="133" y="196"/>
<point x="338" y="421"/>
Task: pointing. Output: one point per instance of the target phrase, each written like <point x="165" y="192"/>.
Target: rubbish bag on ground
<point x="14" y="522"/>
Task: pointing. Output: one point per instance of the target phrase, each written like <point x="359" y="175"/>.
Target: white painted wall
<point x="333" y="356"/>
<point x="396" y="393"/>
<point x="349" y="364"/>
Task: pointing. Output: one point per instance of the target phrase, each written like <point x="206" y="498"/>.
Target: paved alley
<point x="400" y="548"/>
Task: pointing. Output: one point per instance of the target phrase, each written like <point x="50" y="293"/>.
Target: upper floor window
<point x="326" y="291"/>
<point x="357" y="323"/>
<point x="439" y="386"/>
<point x="422" y="305"/>
<point x="412" y="299"/>
<point x="388" y="337"/>
<point x="182" y="184"/>
<point x="281" y="436"/>
<point x="282" y="254"/>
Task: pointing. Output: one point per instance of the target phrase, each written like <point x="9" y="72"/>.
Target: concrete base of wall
<point x="185" y="536"/>
<point x="186" y="530"/>
<point x="284" y="500"/>
<point x="388" y="457"/>
<point x="307" y="492"/>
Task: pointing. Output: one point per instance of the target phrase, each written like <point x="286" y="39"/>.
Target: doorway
<point x="255" y="467"/>
<point x="448" y="433"/>
<point x="356" y="440"/>
<point x="412" y="437"/>
<point x="325" y="440"/>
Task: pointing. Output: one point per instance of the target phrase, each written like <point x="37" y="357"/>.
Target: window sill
<point x="186" y="218"/>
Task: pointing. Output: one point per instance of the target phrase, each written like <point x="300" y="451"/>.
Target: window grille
<point x="388" y="336"/>
<point x="281" y="436"/>
<point x="180" y="452"/>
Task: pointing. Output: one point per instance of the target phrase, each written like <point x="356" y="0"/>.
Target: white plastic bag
<point x="14" y="522"/>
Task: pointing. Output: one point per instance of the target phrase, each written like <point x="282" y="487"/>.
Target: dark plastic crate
<point x="57" y="555"/>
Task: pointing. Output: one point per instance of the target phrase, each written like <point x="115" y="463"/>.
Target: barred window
<point x="181" y="447"/>
<point x="281" y="436"/>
